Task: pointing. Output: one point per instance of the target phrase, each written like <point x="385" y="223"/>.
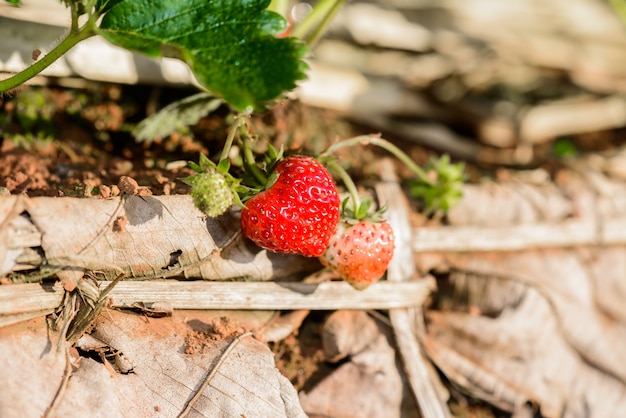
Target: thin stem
<point x="313" y="19"/>
<point x="250" y="161"/>
<point x="349" y="183"/>
<point x="239" y="120"/>
<point x="66" y="44"/>
<point x="279" y="6"/>
<point x="386" y="145"/>
<point x="74" y="17"/>
<point x="620" y="9"/>
<point x="320" y="29"/>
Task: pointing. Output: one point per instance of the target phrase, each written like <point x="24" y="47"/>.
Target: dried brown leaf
<point x="163" y="378"/>
<point x="164" y="236"/>
<point x="554" y="343"/>
<point x="368" y="384"/>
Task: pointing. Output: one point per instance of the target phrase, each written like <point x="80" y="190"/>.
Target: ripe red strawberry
<point x="361" y="252"/>
<point x="298" y="213"/>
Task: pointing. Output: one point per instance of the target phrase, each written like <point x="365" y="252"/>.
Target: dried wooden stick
<point x="569" y="233"/>
<point x="18" y="299"/>
<point x="6" y="320"/>
<point x="543" y="123"/>
<point x="423" y="383"/>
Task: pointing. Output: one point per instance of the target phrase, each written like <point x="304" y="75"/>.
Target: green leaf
<point x="16" y="2"/>
<point x="230" y="45"/>
<point x="176" y="116"/>
<point x="447" y="190"/>
<point x="564" y="148"/>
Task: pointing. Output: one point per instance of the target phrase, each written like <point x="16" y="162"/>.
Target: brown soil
<point x="217" y="329"/>
<point x="300" y="356"/>
<point x="80" y="145"/>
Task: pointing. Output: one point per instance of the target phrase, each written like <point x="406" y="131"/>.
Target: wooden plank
<point x="271" y="295"/>
<point x="569" y="233"/>
<point x="31" y="297"/>
<point x="21" y="298"/>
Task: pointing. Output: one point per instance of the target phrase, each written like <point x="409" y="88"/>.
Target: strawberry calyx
<point x="259" y="175"/>
<point x="364" y="211"/>
<point x="354" y="208"/>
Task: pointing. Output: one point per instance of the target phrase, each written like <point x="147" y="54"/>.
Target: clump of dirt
<point x="20" y="171"/>
<point x="204" y="335"/>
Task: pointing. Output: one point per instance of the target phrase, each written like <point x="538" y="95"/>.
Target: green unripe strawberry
<point x="211" y="193"/>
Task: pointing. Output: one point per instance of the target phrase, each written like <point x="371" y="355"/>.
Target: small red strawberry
<point x="296" y="214"/>
<point x="360" y="252"/>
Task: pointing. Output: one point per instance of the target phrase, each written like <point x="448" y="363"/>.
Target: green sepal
<point x="223" y="166"/>
<point x="205" y="163"/>
<point x="344" y="205"/>
<point x="271" y="179"/>
<point x="189" y="180"/>
<point x="195" y="167"/>
<point x="237" y="200"/>
<point x="363" y="209"/>
<point x="273" y="156"/>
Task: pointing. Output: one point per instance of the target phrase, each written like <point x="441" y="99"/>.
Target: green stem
<point x="620" y="9"/>
<point x="320" y="30"/>
<point x="239" y="120"/>
<point x="386" y="145"/>
<point x="316" y="18"/>
<point x="349" y="183"/>
<point x="250" y="162"/>
<point x="74" y="16"/>
<point x="66" y="44"/>
<point x="279" y="6"/>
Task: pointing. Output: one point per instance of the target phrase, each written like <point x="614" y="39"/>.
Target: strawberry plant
<point x="244" y="53"/>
